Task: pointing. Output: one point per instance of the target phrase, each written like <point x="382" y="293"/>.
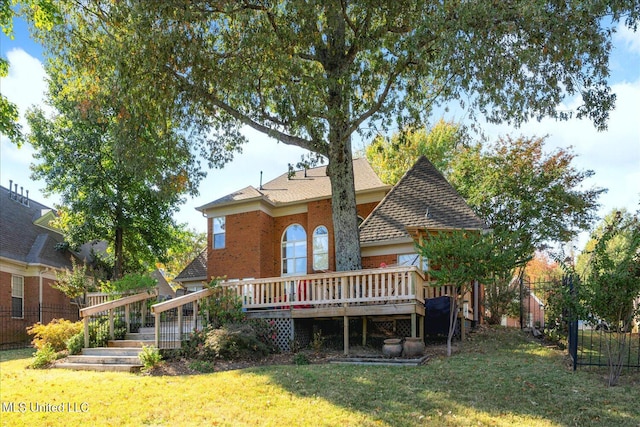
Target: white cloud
<point x="25" y="86"/>
<point x="26" y="83"/>
<point x="627" y="38"/>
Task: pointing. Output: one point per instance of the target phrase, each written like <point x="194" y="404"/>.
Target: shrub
<point x="150" y="357"/>
<point x="222" y="307"/>
<point x="75" y="343"/>
<point x="266" y="332"/>
<point x="234" y="341"/>
<point x="44" y="357"/>
<point x="55" y="333"/>
<point x="301" y="359"/>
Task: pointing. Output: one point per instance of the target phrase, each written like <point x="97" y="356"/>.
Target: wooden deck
<point x="373" y="294"/>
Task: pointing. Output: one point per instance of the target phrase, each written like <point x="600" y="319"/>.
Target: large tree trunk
<point x="340" y="169"/>
<point x="343" y="199"/>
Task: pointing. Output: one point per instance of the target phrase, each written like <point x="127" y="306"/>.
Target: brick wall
<point x="247" y="247"/>
<point x="253" y="241"/>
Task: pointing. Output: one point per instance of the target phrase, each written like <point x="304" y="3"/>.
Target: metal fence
<point x="589" y="343"/>
<point x="13" y="331"/>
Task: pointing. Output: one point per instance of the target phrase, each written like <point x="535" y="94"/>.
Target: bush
<point x="202" y="366"/>
<point x="301" y="359"/>
<point x="55" y="333"/>
<point x="149" y="357"/>
<point x="222" y="307"/>
<point x="44" y="357"/>
<point x="232" y="341"/>
<point x="75" y="343"/>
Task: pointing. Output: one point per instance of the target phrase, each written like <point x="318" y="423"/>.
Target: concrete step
<point x="141" y="336"/>
<point x="129" y="343"/>
<point x="121" y="359"/>
<point x="112" y="351"/>
<point x="104" y="359"/>
<point x="111" y="367"/>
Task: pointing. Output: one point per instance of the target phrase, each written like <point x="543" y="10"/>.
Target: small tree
<point x="611" y="286"/>
<point x="74" y="283"/>
<point x="458" y="258"/>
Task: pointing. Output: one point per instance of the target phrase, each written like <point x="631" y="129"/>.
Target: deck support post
<point x="364" y="331"/>
<point x="421" y="327"/>
<point x="413" y="325"/>
<point x="346" y="335"/>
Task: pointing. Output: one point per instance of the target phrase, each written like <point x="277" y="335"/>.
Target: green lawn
<point x="499" y="378"/>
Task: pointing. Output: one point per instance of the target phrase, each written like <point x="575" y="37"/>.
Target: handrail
<point x="110" y="305"/>
<point x="181" y="300"/>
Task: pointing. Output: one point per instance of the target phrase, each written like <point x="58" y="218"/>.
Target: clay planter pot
<point x="392" y="347"/>
<point x="413" y="347"/>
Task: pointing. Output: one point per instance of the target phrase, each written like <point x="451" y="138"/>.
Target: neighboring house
<point x="164" y="288"/>
<point x="284" y="228"/>
<point x="194" y="276"/>
<point x="30" y="256"/>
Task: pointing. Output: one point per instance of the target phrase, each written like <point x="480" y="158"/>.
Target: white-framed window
<point x="294" y="250"/>
<point x="321" y="248"/>
<point x="219" y="227"/>
<point x="17" y="297"/>
<point x="413" y="259"/>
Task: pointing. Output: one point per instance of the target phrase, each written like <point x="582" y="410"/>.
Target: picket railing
<point x="129" y="310"/>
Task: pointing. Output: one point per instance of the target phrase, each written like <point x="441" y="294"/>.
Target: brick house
<point x="262" y="236"/>
<point x="284" y="227"/>
<point x="29" y="259"/>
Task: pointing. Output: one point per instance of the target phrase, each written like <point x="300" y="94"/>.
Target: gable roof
<point x="196" y="270"/>
<point x="312" y="185"/>
<point x="421" y="199"/>
<point x="24" y="238"/>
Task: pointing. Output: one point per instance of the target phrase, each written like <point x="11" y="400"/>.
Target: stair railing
<point x="177" y="312"/>
<point x="122" y="308"/>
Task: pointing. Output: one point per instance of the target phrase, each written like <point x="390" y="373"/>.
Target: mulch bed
<point x="181" y="366"/>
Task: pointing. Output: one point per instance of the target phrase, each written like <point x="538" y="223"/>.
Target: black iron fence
<point x="13" y="331"/>
<point x="543" y="306"/>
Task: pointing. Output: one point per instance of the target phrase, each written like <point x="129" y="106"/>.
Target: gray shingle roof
<point x="22" y="240"/>
<point x="197" y="269"/>
<point x="421" y="190"/>
<point x="315" y="185"/>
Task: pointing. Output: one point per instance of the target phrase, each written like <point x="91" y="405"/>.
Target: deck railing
<point x="176" y="317"/>
<point x="129" y="313"/>
<point x="399" y="284"/>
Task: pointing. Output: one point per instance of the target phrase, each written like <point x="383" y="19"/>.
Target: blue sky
<point x="614" y="155"/>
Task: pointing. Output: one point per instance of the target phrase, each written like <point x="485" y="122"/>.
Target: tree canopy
<point x="120" y="174"/>
<point x="391" y="157"/>
<point x="312" y="73"/>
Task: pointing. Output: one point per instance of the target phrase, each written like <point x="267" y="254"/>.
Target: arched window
<point x="294" y="251"/>
<point x="321" y="248"/>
